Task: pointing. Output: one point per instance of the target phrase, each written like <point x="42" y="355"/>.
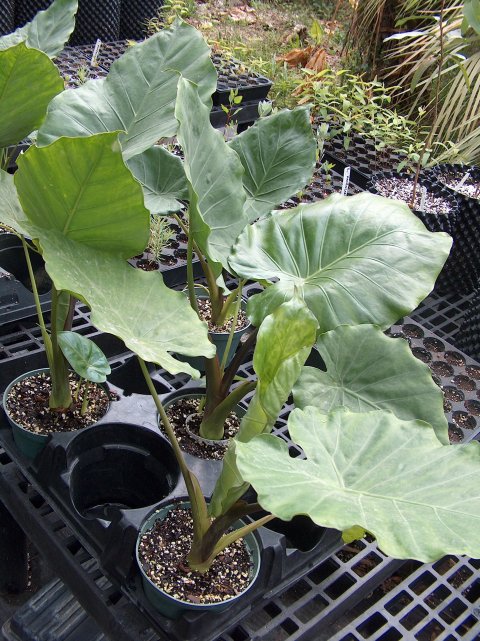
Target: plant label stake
<point x="346" y="181"/>
<point x="464" y="180"/>
<point x="96" y="51"/>
<point x="423" y="199"/>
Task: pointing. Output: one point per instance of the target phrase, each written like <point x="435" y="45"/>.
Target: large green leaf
<point x="28" y="82"/>
<point x="85" y="357"/>
<point x="48" y="31"/>
<point x="278" y="154"/>
<point x="284" y="342"/>
<point x="151" y="319"/>
<point x="214" y="172"/>
<point x="471" y="10"/>
<point x="391" y="477"/>
<point x="11" y="212"/>
<point x="354" y="259"/>
<point x="82" y="188"/>
<point x="366" y="370"/>
<point x="162" y="177"/>
<point x="138" y="95"/>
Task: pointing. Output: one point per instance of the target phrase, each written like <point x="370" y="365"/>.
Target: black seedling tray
<point x="231" y="75"/>
<point x="455" y="373"/>
<point x="468" y="337"/>
<point x="362" y="156"/>
<point x="437" y="601"/>
<point x="173" y="264"/>
<point x="323" y="184"/>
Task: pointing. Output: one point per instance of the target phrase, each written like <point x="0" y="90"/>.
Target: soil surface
<point x="27" y="405"/>
<point x="205" y="310"/>
<point x="453" y="179"/>
<point x="147" y="265"/>
<point x="163" y="553"/>
<point x="402" y="189"/>
<point x="177" y="414"/>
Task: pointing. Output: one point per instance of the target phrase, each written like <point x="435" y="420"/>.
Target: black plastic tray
<point x="110" y="537"/>
<point x="232" y="74"/>
<point x="16" y="300"/>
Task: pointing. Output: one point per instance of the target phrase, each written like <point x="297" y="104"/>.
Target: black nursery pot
<point x="463" y="265"/>
<point x="26" y="10"/>
<point x="445" y="222"/>
<point x="7" y="17"/>
<point x="96" y="19"/>
<point x="134" y="17"/>
<point x="118" y="466"/>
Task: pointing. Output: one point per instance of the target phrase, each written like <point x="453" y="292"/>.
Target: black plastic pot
<point x="134" y="17"/>
<point x="25" y="10"/>
<point x="447" y="278"/>
<point x="173" y="608"/>
<point x="432" y="221"/>
<point x="7" y="17"/>
<point x="463" y="264"/>
<point x="219" y="339"/>
<point x="96" y="19"/>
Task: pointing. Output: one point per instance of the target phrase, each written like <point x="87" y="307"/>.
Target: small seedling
<point x="160" y="235"/>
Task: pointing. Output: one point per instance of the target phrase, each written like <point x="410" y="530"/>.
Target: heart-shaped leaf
<point x="214" y="172"/>
<point x="28" y="82"/>
<point x="138" y="95"/>
<point x="84" y="356"/>
<point x="392" y="478"/>
<point x="48" y="31"/>
<point x="82" y="188"/>
<point x="162" y="177"/>
<point x="136" y="306"/>
<point x="366" y="370"/>
<point x="354" y="259"/>
<point x="278" y="155"/>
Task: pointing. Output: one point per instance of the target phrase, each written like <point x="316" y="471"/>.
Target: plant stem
<point x="429" y="138"/>
<point x="201" y="521"/>
<point x="233" y="329"/>
<point x="85" y="398"/>
<point x="45" y="335"/>
<point x="60" y="397"/>
<point x="212" y="426"/>
<point x="237" y="360"/>
<point x="190" y="281"/>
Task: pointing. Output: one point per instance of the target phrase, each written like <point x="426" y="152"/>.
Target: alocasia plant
<point x="346" y="261"/>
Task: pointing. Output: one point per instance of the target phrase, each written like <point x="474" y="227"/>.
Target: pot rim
<point x="31" y="373"/>
<point x="202" y="294"/>
<point x="252" y="545"/>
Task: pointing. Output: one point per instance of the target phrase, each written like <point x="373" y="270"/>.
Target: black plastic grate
<point x="348" y="586"/>
<point x="438" y="601"/>
<point x="442" y="314"/>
